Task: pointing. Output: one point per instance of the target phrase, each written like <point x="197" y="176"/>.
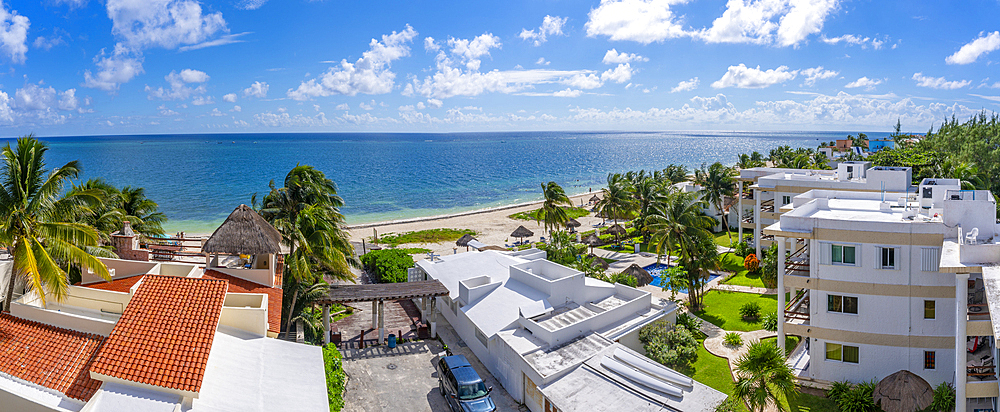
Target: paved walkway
<point x="747" y="289"/>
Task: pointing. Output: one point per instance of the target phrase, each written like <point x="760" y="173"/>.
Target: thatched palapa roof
<point x="903" y="391"/>
<point x="522" y="231"/>
<point x="595" y="199"/>
<point x="616" y="230"/>
<point x="464" y="240"/>
<point x="244" y="232"/>
<point x="641" y="275"/>
<point x="597" y="261"/>
<point x="592" y="240"/>
<point x="492" y="247"/>
<point x="573" y="223"/>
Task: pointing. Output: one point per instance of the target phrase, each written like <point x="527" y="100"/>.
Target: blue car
<point x="461" y="386"/>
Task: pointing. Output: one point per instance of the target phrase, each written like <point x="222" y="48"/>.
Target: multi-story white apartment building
<point x="774" y="188"/>
<point x="879" y="282"/>
<point x="558" y="340"/>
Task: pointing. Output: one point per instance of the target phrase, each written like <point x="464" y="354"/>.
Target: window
<point x="844" y="255"/>
<point x="842" y="353"/>
<point x="929" y="356"/>
<point x="929" y="310"/>
<point x="482" y="337"/>
<point x="929" y="259"/>
<point x="842" y="304"/>
<point x="887" y="259"/>
<point x="786" y="200"/>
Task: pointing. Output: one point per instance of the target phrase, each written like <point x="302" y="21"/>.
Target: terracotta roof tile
<point x="165" y="335"/>
<point x="52" y="357"/>
<point x="237" y="285"/>
<point x="117" y="285"/>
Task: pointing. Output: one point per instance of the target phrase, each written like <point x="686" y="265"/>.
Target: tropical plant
<point x="944" y="398"/>
<point x="672" y="174"/>
<point x="769" y="322"/>
<point x="647" y="192"/>
<point x="140" y="211"/>
<point x="763" y="378"/>
<point x="561" y="248"/>
<point x="838" y="389"/>
<point x="690" y="322"/>
<point x="551" y="213"/>
<point x="617" y="201"/>
<point x="678" y="223"/>
<point x="674" y="278"/>
<point x="743" y="250"/>
<point x="38" y="242"/>
<point x="388" y="265"/>
<point x="769" y="267"/>
<point x="585" y="265"/>
<point x="746" y="161"/>
<point x="729" y="405"/>
<point x="733" y="339"/>
<point x="750" y="311"/>
<point x="623" y="278"/>
<point x="717" y="182"/>
<point x="670" y="345"/>
<point x="858" y="398"/>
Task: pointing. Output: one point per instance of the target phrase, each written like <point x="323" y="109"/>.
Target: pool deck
<point x="643" y="259"/>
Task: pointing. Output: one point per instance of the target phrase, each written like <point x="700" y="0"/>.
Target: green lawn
<point x="790" y="342"/>
<point x="722" y="238"/>
<point x="722" y="308"/>
<point x="424" y="236"/>
<point x="415" y="250"/>
<point x="805" y="402"/>
<point x="710" y="370"/>
<point x="733" y="263"/>
<point x="572" y="212"/>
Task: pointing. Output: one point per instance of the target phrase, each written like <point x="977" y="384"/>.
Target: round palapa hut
<point x="903" y="391"/>
<point x="642" y="277"/>
<point x="572" y="224"/>
<point x="592" y="240"/>
<point x="595" y="199"/>
<point x="616" y="230"/>
<point x="598" y="262"/>
<point x="464" y="241"/>
<point x="522" y="232"/>
<point x="244" y="233"/>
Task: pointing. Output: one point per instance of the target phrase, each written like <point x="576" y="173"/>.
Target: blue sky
<point x="85" y="67"/>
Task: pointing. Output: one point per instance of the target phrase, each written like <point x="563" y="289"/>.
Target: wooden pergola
<point x="377" y="294"/>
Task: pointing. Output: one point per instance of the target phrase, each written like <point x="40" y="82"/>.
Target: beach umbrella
<point x="522" y="232"/>
<point x="595" y="199"/>
<point x="598" y="262"/>
<point x="616" y="230"/>
<point x="592" y="240"/>
<point x="244" y="233"/>
<point x="464" y="241"/>
<point x="572" y="225"/>
<point x="903" y="391"/>
<point x="641" y="276"/>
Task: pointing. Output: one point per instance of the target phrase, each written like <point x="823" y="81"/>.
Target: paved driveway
<point x="403" y="379"/>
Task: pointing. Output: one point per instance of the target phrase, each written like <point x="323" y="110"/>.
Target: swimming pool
<point x="656" y="270"/>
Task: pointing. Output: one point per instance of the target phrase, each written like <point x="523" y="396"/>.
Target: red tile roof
<point x="237" y="285"/>
<point x="165" y="335"/>
<point x="52" y="357"/>
<point x="117" y="285"/>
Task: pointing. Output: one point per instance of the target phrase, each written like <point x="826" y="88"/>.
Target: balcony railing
<point x="767" y="206"/>
<point x="798" y="263"/>
<point x="978" y="309"/>
<point x="797" y="309"/>
<point x="748" y="219"/>
<point x="980" y="364"/>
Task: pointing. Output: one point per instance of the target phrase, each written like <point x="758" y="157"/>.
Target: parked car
<point x="461" y="386"/>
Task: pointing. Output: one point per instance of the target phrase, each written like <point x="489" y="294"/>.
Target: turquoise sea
<point x="199" y="179"/>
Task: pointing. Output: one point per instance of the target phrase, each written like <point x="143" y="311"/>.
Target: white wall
<point x="877" y="362"/>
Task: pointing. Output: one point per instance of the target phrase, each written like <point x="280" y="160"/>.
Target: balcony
<point x="980" y="361"/>
<point x="798" y="263"/>
<point x="767" y="206"/>
<point x="978" y="309"/>
<point x="797" y="309"/>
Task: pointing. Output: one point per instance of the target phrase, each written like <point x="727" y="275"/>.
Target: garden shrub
<point x="731" y="404"/>
<point x="858" y="398"/>
<point x="672" y="346"/>
<point x="838" y="389"/>
<point x="750" y="263"/>
<point x="769" y="267"/>
<point x="770" y="322"/>
<point x="336" y="379"/>
<point x="944" y="398"/>
<point x="733" y="339"/>
<point x="387" y="265"/>
<point x="743" y="249"/>
<point x="690" y="322"/>
<point x="623" y="278"/>
<point x="750" y="311"/>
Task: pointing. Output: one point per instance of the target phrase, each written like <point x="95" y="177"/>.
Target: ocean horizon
<point x="198" y="179"/>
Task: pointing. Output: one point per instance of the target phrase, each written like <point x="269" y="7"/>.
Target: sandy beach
<point x="492" y="225"/>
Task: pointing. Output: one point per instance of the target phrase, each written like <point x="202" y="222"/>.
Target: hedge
<point x="387" y="265"/>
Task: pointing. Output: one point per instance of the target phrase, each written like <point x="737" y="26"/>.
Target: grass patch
<point x="424" y="236"/>
<point x="415" y="250"/>
<point x="335" y="377"/>
<point x="572" y="212"/>
<point x="790" y="342"/>
<point x="741" y="277"/>
<point x="722" y="238"/>
<point x="804" y="402"/>
<point x="722" y="309"/>
<point x="710" y="370"/>
<point x="348" y="311"/>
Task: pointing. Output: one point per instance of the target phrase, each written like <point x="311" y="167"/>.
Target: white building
<point x="545" y="331"/>
<point x="880" y="283"/>
<point x="774" y="188"/>
<point x="709" y="209"/>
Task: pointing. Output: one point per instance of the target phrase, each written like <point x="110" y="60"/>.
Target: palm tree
<point x="617" y="202"/>
<point x="673" y="174"/>
<point x="717" y="181"/>
<point x="763" y="378"/>
<point x="141" y="211"/>
<point x="647" y="192"/>
<point x="306" y="210"/>
<point x="28" y="197"/>
<point x="551" y="213"/>
<point x="679" y="225"/>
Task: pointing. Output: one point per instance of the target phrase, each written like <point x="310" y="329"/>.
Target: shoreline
<point x="458" y="214"/>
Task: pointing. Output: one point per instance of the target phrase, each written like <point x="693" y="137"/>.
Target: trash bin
<point x="638" y="247"/>
<point x="392" y="341"/>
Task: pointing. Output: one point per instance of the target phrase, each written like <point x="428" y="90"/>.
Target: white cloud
<point x="688" y="85"/>
<point x="236" y="108"/>
<point x="643" y="21"/>
<point x="978" y="47"/>
<point x="816" y="73"/>
<point x="216" y="112"/>
<point x="753" y="78"/>
<point x="584" y="81"/>
<point x="250" y="4"/>
<point x="72" y="3"/>
<point x="166" y="111"/>
<point x="162" y="23"/>
<point x="431" y="45"/>
<point x="35" y="103"/>
<point x="991" y="98"/>
<point x="229" y="97"/>
<point x="221" y="41"/>
<point x="435" y="103"/>
<point x="343" y="106"/>
<point x="613" y="57"/>
<point x="470" y="51"/>
<point x="868" y="84"/>
<point x="551" y="26"/>
<point x="202" y="100"/>
<point x="285" y="120"/>
<point x="6" y="113"/>
<point x="939" y="82"/>
<point x="365" y="106"/>
<point x="620" y="74"/>
<point x="369" y="75"/>
<point x="47" y="43"/>
<point x="568" y="93"/>
<point x="257" y="89"/>
<point x="542" y="62"/>
<point x="179" y="89"/>
<point x="853" y="40"/>
<point x="114" y="69"/>
<point x="421" y="106"/>
<point x="13" y="34"/>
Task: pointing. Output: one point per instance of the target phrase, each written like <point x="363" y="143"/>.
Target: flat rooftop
<point x="549" y="361"/>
